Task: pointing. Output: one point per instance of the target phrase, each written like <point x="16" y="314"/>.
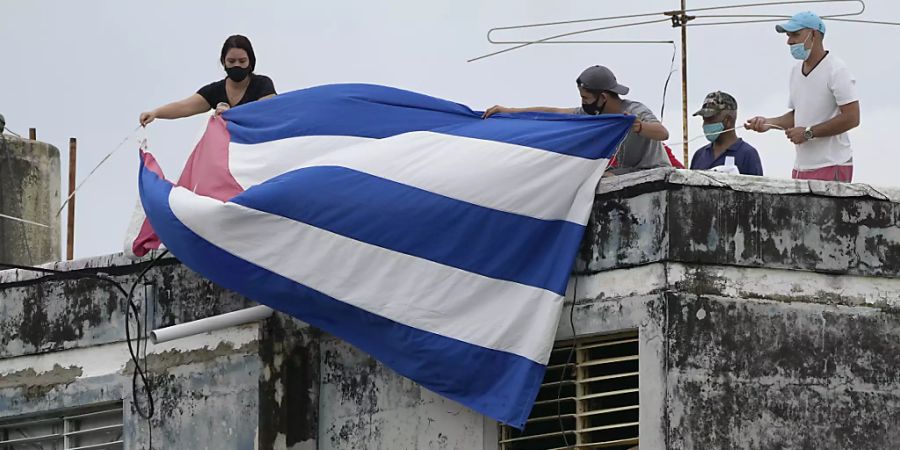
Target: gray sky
<point x="88" y="68"/>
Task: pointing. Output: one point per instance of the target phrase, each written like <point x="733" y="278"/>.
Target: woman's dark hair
<point x="241" y="42"/>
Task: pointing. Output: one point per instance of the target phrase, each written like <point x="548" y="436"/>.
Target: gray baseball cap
<point x="599" y="78"/>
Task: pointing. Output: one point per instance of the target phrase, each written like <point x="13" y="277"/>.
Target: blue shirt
<point x="745" y="158"/>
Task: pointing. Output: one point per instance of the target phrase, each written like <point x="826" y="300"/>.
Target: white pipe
<point x="213" y="323"/>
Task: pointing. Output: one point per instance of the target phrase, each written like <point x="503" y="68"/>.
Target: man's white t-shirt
<point x="816" y="98"/>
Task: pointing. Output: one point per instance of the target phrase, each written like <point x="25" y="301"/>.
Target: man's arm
<point x="762" y="124"/>
<point x="547" y="109"/>
<point x="841" y="123"/>
<point x="847" y="120"/>
<point x="651" y="130"/>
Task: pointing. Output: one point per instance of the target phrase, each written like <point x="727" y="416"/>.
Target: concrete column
<point x="29" y="189"/>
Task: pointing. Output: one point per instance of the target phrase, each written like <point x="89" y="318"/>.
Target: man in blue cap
<point x="823" y="104"/>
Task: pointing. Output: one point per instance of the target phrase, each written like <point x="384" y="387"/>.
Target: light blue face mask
<point x="713" y="130"/>
<point x="799" y="51"/>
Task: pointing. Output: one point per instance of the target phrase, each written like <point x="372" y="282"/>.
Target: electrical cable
<point x="144" y="355"/>
<point x="6" y="128"/>
<point x="662" y="109"/>
<point x="105" y="158"/>
<point x="140" y="371"/>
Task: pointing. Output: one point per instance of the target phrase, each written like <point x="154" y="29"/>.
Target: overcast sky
<point x="88" y="68"/>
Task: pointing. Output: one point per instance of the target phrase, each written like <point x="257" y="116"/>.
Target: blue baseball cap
<point x="799" y="21"/>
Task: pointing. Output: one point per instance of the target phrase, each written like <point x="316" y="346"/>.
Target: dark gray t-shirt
<point x="637" y="152"/>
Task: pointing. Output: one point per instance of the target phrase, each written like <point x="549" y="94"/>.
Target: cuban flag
<point x="436" y="241"/>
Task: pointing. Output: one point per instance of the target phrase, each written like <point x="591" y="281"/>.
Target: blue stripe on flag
<point x="498" y="384"/>
<point x="409" y="220"/>
<point x="371" y="111"/>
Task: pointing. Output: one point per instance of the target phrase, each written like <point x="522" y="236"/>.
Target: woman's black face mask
<point x="237" y="74"/>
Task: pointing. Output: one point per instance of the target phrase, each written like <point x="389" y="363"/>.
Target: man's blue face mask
<point x="713" y="130"/>
<point x="799" y="51"/>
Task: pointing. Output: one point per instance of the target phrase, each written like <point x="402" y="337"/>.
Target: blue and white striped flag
<point x="438" y="242"/>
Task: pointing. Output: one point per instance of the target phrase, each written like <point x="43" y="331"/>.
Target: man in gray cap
<point x="719" y="112"/>
<point x="823" y="105"/>
<point x="601" y="94"/>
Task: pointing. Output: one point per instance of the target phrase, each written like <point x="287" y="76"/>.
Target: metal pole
<point x="684" y="85"/>
<point x="70" y="222"/>
<point x="32" y="134"/>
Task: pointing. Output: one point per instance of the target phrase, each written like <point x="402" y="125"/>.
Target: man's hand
<point x="796" y="135"/>
<point x="494" y="110"/>
<point x="757" y="124"/>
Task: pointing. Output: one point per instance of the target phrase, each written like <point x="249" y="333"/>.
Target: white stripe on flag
<point x="413" y="291"/>
<point x="497" y="175"/>
<point x="252" y="164"/>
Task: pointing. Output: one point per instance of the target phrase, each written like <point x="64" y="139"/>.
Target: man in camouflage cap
<point x="719" y="113"/>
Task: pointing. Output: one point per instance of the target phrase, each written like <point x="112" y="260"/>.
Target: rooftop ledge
<point x="703" y="217"/>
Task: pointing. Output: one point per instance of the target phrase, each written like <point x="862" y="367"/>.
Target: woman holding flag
<point x="240" y="86"/>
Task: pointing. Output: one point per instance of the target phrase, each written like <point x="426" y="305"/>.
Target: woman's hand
<point x="147" y="117"/>
<point x="222" y="107"/>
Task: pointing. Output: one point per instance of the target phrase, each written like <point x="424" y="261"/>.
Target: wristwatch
<point x="807" y="134"/>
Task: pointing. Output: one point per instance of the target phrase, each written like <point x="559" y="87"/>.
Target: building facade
<point x="705" y="311"/>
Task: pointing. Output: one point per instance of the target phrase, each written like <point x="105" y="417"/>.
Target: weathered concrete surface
<point x="740" y="282"/>
<point x="55" y="312"/>
<point x="767" y="315"/>
<point x="209" y="379"/>
<point x="29" y="189"/>
<point x="700" y="218"/>
<point x="364" y="405"/>
<point x="61" y="346"/>
<point x="645" y="313"/>
<point x="205" y="398"/>
<point x="748" y="374"/>
<point x="289" y="385"/>
<point x="741" y="373"/>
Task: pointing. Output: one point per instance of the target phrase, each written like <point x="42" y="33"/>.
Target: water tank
<point x="29" y="190"/>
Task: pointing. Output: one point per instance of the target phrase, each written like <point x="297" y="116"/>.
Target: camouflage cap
<point x="715" y="103"/>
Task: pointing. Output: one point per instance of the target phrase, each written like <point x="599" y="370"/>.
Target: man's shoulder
<point x="639" y="110"/>
<point x="744" y="146"/>
<point x="633" y="105"/>
<point x="702" y="150"/>
<point x="835" y="61"/>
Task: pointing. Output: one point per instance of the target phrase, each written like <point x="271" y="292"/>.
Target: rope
<point x="102" y="161"/>
<point x="676" y="144"/>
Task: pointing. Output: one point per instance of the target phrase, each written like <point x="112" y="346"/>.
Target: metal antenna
<point x="680" y="19"/>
